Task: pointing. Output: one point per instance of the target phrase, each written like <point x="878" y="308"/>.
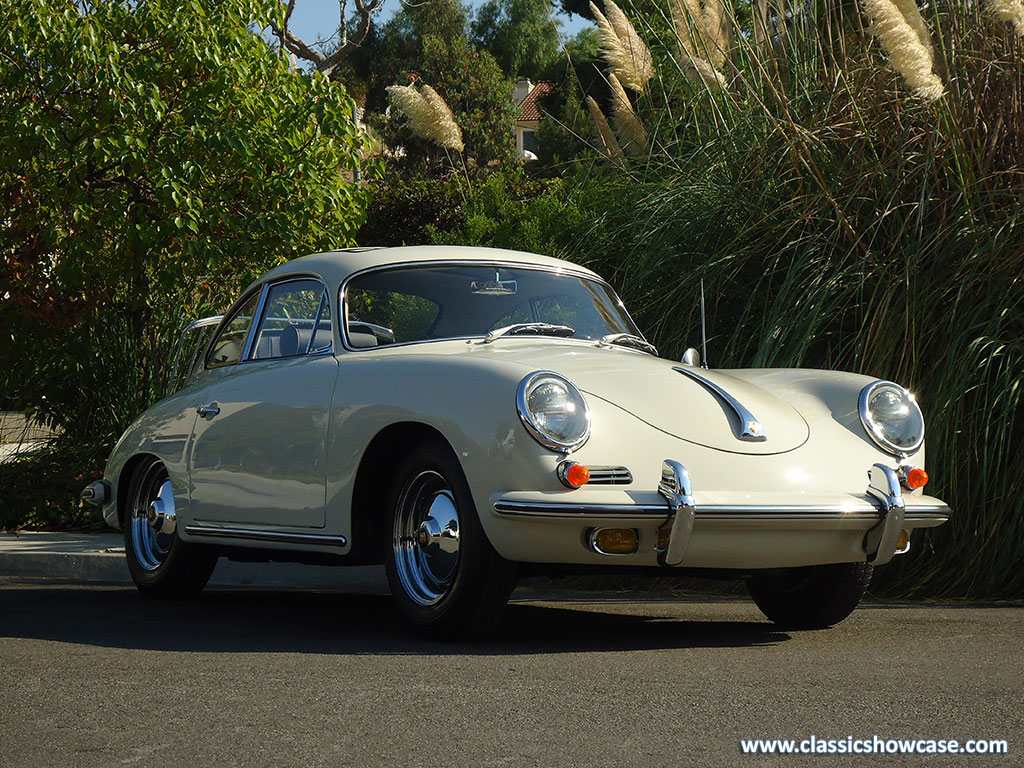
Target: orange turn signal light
<point x="915" y="478"/>
<point x="572" y="474"/>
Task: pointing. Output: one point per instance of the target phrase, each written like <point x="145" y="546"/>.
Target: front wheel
<point x="813" y="597"/>
<point x="160" y="563"/>
<point x="445" y="576"/>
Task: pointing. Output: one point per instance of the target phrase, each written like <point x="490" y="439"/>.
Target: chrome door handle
<point x="207" y="411"/>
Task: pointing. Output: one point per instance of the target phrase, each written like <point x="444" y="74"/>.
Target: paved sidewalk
<point x="100" y="558"/>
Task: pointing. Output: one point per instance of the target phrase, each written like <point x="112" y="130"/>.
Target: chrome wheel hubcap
<point x="153" y="518"/>
<point x="426" y="538"/>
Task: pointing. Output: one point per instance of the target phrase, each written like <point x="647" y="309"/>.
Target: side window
<point x="297" y="319"/>
<point x="227" y="347"/>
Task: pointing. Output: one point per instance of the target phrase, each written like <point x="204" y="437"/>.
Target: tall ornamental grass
<point x="849" y="206"/>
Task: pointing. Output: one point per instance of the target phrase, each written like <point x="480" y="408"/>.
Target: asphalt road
<point x="94" y="675"/>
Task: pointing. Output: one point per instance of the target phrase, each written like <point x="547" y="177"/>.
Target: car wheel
<point x="814" y="597"/>
<point x="161" y="564"/>
<point x="444" y="574"/>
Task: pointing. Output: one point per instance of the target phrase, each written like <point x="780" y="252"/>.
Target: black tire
<point x="446" y="595"/>
<point x="814" y="597"/>
<point x="161" y="564"/>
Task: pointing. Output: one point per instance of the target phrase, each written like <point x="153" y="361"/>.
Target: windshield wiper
<point x="540" y="329"/>
<point x="627" y="340"/>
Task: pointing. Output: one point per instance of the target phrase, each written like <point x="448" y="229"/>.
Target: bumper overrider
<point x="881" y="518"/>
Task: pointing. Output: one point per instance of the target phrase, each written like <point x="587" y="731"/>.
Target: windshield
<point x="407" y="304"/>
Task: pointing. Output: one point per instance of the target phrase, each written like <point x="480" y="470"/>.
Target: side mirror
<point x="691" y="357"/>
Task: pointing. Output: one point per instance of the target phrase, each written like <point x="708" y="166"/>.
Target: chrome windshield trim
<point x="751" y="430"/>
<point x="580" y="273"/>
<point x="256" y="534"/>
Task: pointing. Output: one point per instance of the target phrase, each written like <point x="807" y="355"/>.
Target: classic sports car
<point x="465" y="414"/>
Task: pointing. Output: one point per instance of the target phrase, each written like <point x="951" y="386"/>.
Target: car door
<point x="259" y="449"/>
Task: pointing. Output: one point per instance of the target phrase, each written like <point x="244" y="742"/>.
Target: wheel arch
<point x="372" y="483"/>
<point x="124" y="478"/>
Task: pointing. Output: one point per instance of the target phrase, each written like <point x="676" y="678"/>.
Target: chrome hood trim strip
<point x="751" y="430"/>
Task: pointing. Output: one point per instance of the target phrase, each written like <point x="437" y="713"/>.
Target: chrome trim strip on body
<point x="562" y="511"/>
<point x="256" y="534"/>
<point x="343" y="298"/>
<point x="751" y="430"/>
<point x="555" y="509"/>
<point x="610" y="476"/>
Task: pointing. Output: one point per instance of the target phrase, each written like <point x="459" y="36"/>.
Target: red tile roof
<point x="529" y="111"/>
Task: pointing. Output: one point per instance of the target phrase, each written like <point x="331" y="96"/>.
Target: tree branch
<point x="327" y="64"/>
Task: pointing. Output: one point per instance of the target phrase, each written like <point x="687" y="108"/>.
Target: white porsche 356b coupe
<point x="462" y="415"/>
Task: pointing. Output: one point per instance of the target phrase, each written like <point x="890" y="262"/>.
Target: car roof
<point x="335" y="266"/>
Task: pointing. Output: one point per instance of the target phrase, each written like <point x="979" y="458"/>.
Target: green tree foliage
<point x="429" y="42"/>
<point x="153" y="156"/>
<point x="522" y="35"/>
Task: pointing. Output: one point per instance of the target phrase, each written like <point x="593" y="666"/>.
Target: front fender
<point x="165" y="431"/>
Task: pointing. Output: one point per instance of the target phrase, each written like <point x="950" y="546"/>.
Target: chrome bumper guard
<point x="882" y="541"/>
<point x="675" y="488"/>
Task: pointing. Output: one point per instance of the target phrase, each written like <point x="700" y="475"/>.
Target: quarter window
<point x="227" y="347"/>
<point x="296" y="320"/>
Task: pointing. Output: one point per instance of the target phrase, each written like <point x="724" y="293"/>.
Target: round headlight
<point x="553" y="411"/>
<point x="892" y="417"/>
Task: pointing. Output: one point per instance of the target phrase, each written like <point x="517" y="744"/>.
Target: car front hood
<point x="658" y="393"/>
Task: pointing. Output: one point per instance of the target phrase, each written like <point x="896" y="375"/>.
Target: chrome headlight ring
<point x="892" y="418"/>
<point x="554" y="411"/>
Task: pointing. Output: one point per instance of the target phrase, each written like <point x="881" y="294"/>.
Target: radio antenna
<point x="703" y="330"/>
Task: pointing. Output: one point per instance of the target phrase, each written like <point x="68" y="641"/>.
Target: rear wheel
<point x="160" y="563"/>
<point x="445" y="576"/>
<point x="814" y="597"/>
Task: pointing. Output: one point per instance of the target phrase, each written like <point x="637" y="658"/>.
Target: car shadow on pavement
<point x="254" y="621"/>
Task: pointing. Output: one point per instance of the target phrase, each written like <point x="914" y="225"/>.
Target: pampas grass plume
<point x="1011" y="11"/>
<point x="902" y="41"/>
<point x="428" y="114"/>
<point x="628" y="125"/>
<point x="604" y="131"/>
<point x="707" y="40"/>
<point x="626" y="54"/>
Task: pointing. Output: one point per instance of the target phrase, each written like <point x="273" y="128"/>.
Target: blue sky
<point x="315" y="19"/>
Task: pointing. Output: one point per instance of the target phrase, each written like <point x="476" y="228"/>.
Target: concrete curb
<point x="100" y="558"/>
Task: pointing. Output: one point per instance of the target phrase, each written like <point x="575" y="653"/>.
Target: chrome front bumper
<point x="876" y="518"/>
<point x="881" y="543"/>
